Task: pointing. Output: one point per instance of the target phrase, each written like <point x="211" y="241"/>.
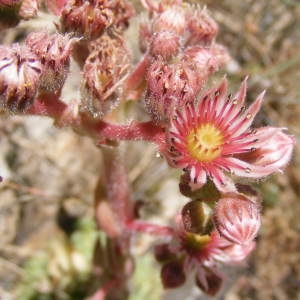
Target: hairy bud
<point x="20" y="71"/>
<point x="29" y="9"/>
<point x="92" y="17"/>
<point x="103" y="72"/>
<point x="172" y="20"/>
<point x="237" y="218"/>
<point x="202" y="29"/>
<point x="165" y="44"/>
<point x="54" y="52"/>
<point x="86" y="17"/>
<point x="169" y="85"/>
<point x="206" y="60"/>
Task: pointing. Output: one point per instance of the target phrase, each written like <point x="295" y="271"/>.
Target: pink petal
<point x="242" y="124"/>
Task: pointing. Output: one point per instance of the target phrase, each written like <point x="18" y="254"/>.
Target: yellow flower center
<point x="205" y="142"/>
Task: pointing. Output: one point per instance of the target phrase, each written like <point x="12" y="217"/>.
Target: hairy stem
<point x="103" y="132"/>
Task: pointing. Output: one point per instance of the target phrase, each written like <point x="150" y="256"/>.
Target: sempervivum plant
<point x="198" y="127"/>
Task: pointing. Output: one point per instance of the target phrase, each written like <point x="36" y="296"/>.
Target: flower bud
<point x="194" y="217"/>
<point x="29" y="9"/>
<point x="169" y="85"/>
<point x="172" y="20"/>
<point x="54" y="52"/>
<point x="20" y="71"/>
<point x="172" y="275"/>
<point x="237" y="219"/>
<point x="202" y="29"/>
<point x="91" y="17"/>
<point x="209" y="281"/>
<point x="103" y="72"/>
<point x="165" y="44"/>
<point x="206" y="60"/>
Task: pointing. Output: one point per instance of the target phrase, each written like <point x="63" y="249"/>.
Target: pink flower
<point x="189" y="252"/>
<point x="237" y="218"/>
<point x="212" y="138"/>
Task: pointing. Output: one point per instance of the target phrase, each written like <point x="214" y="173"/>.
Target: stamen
<point x="204" y="143"/>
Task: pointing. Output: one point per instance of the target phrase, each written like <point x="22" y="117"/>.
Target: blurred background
<point x="47" y="231"/>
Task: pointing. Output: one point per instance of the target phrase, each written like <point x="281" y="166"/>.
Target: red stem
<point x="144" y="227"/>
<point x="49" y="105"/>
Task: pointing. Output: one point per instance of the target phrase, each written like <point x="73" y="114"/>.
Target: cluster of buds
<point x="39" y="65"/>
<point x="180" y="54"/>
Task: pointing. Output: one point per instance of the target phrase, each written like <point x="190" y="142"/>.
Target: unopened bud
<point x="172" y="275"/>
<point x="237" y="219"/>
<point x="86" y="18"/>
<point x="206" y="60"/>
<point x="201" y="27"/>
<point x="165" y="44"/>
<point x="91" y="17"/>
<point x="209" y="281"/>
<point x="20" y="72"/>
<point x="54" y="52"/>
<point x="194" y="217"/>
<point x="172" y="20"/>
<point x="169" y="85"/>
<point x="103" y="73"/>
<point x="29" y="9"/>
